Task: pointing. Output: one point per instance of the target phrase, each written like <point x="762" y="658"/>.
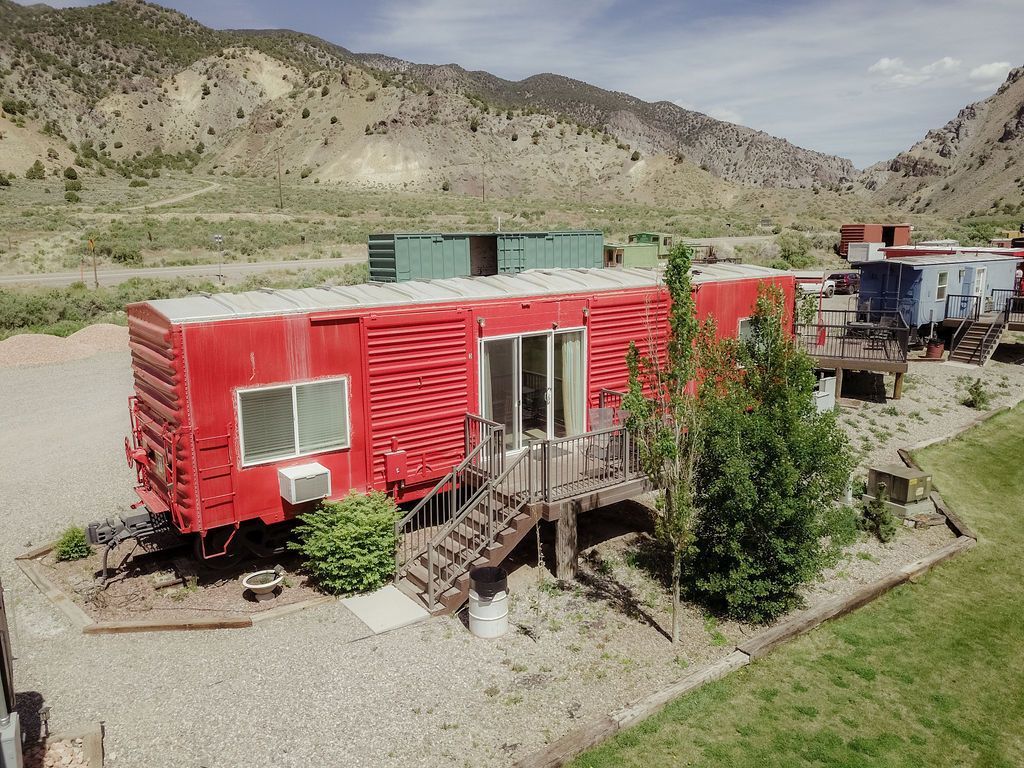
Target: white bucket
<point x="488" y="616"/>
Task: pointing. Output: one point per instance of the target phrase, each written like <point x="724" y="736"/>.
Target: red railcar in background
<point x="238" y="396"/>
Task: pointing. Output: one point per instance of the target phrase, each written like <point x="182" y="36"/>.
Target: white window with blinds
<point x="283" y="422"/>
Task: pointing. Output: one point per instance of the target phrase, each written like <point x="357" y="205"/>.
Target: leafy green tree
<point x="771" y="468"/>
<point x="36" y="171"/>
<point x="669" y="411"/>
<point x="794" y="248"/>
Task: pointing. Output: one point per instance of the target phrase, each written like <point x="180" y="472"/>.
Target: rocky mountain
<point x="132" y="87"/>
<point x="730" y="151"/>
<point x="975" y="162"/>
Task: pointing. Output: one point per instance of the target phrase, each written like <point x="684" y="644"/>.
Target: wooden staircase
<point x="976" y="340"/>
<point x="473" y="517"/>
<point x="459" y="548"/>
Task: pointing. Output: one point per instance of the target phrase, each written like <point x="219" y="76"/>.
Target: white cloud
<point x="988" y="76"/>
<point x="895" y="71"/>
<point x="943" y="65"/>
<point x="724" y="113"/>
<point x="885" y="65"/>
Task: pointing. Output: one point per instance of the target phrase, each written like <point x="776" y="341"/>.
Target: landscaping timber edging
<point x="600" y="729"/>
<point x="33" y="570"/>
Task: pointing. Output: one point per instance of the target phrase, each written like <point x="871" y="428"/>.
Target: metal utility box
<point x="10" y="728"/>
<point x="400" y="257"/>
<point x="903" y="484"/>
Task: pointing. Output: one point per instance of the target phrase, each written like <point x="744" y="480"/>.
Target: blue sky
<point x="863" y="79"/>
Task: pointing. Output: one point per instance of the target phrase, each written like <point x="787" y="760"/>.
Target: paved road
<point x="228" y="272"/>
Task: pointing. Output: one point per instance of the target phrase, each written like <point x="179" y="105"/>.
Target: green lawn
<point x="931" y="674"/>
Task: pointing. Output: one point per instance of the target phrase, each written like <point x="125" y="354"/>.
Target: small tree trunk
<point x="676" y="576"/>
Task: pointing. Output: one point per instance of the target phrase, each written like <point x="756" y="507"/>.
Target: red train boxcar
<point x="249" y="406"/>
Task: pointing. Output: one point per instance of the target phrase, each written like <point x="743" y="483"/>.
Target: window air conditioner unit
<point x="305" y="482"/>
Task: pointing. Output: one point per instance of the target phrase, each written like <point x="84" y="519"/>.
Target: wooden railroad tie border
<point x="34" y="571"/>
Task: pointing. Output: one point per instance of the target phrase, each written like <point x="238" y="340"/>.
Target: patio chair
<point x="606" y="448"/>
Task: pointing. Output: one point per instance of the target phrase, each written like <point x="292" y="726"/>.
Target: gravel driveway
<point x="313" y="689"/>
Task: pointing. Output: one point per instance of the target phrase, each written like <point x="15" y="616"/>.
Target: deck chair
<point x="604" y="450"/>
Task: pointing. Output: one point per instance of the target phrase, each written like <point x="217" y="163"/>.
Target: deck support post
<point x="566" y="545"/>
<point x="897" y="388"/>
<point x="839" y="384"/>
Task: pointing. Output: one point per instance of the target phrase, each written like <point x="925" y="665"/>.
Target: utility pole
<point x="280" y="193"/>
<point x="95" y="276"/>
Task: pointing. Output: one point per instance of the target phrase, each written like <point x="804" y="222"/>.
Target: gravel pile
<point x="41" y="349"/>
<point x="315" y="688"/>
<point x="103" y="337"/>
<point x="44" y="349"/>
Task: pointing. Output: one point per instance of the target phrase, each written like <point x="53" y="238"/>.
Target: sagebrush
<point x="349" y="545"/>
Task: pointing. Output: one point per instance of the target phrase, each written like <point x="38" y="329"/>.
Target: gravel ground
<point x="930" y="407"/>
<point x="315" y="689"/>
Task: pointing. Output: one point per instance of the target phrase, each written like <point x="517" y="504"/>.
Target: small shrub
<point x="211" y="131"/>
<point x="70" y="173"/>
<point x="36" y="171"/>
<point x="976" y="396"/>
<point x="305" y="112"/>
<point x="72" y="545"/>
<point x="349" y="545"/>
<point x="127" y="255"/>
<point x="304" y="173"/>
<point x="138" y="183"/>
<point x="474" y="124"/>
<point x="877" y="519"/>
<point x="515" y="137"/>
<point x="635" y="156"/>
<point x="446" y="186"/>
<point x="324" y="91"/>
<point x="240" y="113"/>
<point x="118" y="144"/>
<point x="334" y="119"/>
<point x="72" y="197"/>
<point x="4" y="181"/>
<point x="371" y="96"/>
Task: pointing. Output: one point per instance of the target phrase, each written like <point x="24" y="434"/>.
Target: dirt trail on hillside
<point x="177" y="198"/>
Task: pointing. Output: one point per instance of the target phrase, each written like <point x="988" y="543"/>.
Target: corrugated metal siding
<point x="397" y="258"/>
<point x="419" y="390"/>
<point x="158" y="370"/>
<point x="613" y="324"/>
<point x="381" y="257"/>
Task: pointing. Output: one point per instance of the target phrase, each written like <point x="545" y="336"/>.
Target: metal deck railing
<point x="856" y="335"/>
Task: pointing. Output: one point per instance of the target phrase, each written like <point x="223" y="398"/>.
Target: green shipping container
<point x="629" y="255"/>
<point x="429" y="256"/>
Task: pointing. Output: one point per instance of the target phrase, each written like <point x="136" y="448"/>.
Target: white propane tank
<point x="488" y="602"/>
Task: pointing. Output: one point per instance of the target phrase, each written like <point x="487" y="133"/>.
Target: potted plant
<point x="934" y="347"/>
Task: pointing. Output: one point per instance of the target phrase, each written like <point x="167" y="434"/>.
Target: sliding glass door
<point x="534" y="384"/>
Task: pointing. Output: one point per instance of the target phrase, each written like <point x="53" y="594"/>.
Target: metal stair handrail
<point x="414" y="530"/>
<point x="442" y="575"/>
